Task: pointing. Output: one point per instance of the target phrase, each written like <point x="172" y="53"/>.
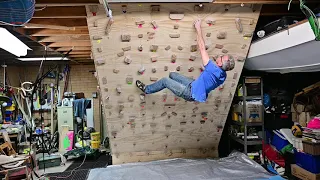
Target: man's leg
<point x="176" y="87"/>
<point x="180" y="78"/>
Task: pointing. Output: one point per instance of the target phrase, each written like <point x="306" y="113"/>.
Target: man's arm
<point x="201" y="45"/>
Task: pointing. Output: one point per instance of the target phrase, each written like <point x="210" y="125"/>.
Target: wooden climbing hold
<point x="124" y="8"/>
<point x="235" y="75"/>
<point x="104" y="80"/>
<point x="173" y="58"/>
<point x="208" y="34"/>
<point x="193" y="48"/>
<point x="224" y="51"/>
<point x="141" y="70"/>
<point x="166" y="68"/>
<point x="154" y="70"/>
<point x="210" y="21"/>
<point x="140" y="22"/>
<point x="100" y="62"/>
<point x="153" y="79"/>
<point x="120" y="54"/>
<point x="174" y="35"/>
<point x="154" y="59"/>
<point x="97" y="37"/>
<point x="164" y="97"/>
<point x="140" y="48"/>
<point x="142" y="97"/>
<point x="128" y="48"/>
<point x="155" y="8"/>
<point x="222" y="35"/>
<point x="180" y="48"/>
<point x="240" y="58"/>
<point x="247" y="35"/>
<point x="127" y="60"/>
<point x="125" y="38"/>
<point x="154" y="24"/>
<point x="118" y="89"/>
<point x="199" y="7"/>
<point x="178" y="68"/>
<point x="183" y="123"/>
<point x="130" y="98"/>
<point x="95" y="24"/>
<point x="219" y="46"/>
<point x="140" y="35"/>
<point x="243" y="46"/>
<point x="129" y="79"/>
<point x="176" y="16"/>
<point x="176" y="26"/>
<point x="191" y="69"/>
<point x="106" y="89"/>
<point x="116" y="71"/>
<point x="174" y="113"/>
<point x="239" y="25"/>
<point x="99" y="49"/>
<point x="221" y="87"/>
<point x="251" y="22"/>
<point x="167" y="48"/>
<point x="163" y="114"/>
<point x="195" y="109"/>
<point x="192" y="58"/>
<point x="153" y="48"/>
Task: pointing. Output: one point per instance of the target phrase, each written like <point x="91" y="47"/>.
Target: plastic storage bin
<point x="308" y="162"/>
<point x="279" y="141"/>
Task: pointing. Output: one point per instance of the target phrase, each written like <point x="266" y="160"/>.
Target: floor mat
<point x="76" y="175"/>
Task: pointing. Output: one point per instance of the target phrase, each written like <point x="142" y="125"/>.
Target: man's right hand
<point x="197" y="24"/>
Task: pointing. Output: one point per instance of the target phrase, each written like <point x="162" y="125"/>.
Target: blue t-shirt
<point x="212" y="77"/>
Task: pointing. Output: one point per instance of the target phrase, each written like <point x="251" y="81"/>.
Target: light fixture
<point x="42" y="58"/>
<point x="12" y="44"/>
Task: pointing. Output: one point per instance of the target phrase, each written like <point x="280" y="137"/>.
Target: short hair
<point x="229" y="64"/>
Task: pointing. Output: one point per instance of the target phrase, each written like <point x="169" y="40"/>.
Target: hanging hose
<point x="312" y="18"/>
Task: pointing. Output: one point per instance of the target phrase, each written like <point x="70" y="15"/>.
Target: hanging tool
<point x="312" y="18"/>
<point x="109" y="14"/>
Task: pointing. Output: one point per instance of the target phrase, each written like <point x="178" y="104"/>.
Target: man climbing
<point x="194" y="90"/>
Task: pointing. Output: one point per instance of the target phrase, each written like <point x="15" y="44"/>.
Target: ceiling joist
<point x="67" y="22"/>
<point x="75" y="48"/>
<point x="61" y="12"/>
<point x="53" y="32"/>
<point x="64" y="38"/>
<point x="70" y="43"/>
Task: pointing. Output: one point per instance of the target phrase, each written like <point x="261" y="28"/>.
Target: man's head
<point x="225" y="62"/>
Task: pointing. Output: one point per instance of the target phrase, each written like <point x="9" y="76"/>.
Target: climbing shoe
<point x="141" y="86"/>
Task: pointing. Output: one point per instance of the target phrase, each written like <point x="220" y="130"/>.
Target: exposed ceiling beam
<point x="68" y="22"/>
<point x="52" y="32"/>
<point x="61" y="12"/>
<point x="76" y="48"/>
<point x="47" y="3"/>
<point x="260" y="1"/>
<point x="70" y="43"/>
<point x="64" y="38"/>
<point x="80" y="56"/>
<point x="41" y="26"/>
<point x="77" y="52"/>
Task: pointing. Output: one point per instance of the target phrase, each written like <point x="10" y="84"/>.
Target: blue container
<point x="279" y="141"/>
<point x="308" y="162"/>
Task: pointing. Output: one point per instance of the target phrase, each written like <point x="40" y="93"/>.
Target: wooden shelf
<point x="249" y="142"/>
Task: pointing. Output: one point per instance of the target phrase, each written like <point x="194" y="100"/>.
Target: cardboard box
<point x="303" y="174"/>
<point x="253" y="111"/>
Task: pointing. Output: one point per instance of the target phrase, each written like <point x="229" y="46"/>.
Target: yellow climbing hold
<point x="98" y="41"/>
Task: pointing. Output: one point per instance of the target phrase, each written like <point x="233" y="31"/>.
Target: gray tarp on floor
<point x="236" y="166"/>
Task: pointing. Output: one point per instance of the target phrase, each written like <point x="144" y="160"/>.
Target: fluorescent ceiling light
<point x="12" y="44"/>
<point x="42" y="58"/>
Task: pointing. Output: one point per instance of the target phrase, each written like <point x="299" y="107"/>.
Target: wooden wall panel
<point x="158" y="129"/>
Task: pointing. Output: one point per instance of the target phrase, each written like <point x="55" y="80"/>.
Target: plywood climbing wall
<point x="161" y="125"/>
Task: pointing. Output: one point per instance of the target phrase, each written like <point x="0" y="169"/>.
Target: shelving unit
<point x="245" y="141"/>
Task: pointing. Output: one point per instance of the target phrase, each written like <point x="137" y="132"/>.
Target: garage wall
<point x="81" y="80"/>
<point x="160" y="125"/>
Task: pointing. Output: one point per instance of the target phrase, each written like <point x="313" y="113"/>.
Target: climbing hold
<point x="164" y="97"/>
<point x="154" y="70"/>
<point x="219" y="46"/>
<point x="140" y="48"/>
<point x="201" y="122"/>
<point x="99" y="49"/>
<point x="239" y="25"/>
<point x="114" y="134"/>
<point x="210" y="21"/>
<point x="127" y="60"/>
<point x="176" y="16"/>
<point x="251" y="22"/>
<point x="166" y="68"/>
<point x="120" y="54"/>
<point x="247" y="35"/>
<point x="104" y="80"/>
<point x="140" y="35"/>
<point x="129" y="79"/>
<point x="153" y="79"/>
<point x="154" y="59"/>
<point x="174" y="35"/>
<point x="176" y="26"/>
<point x="121" y="107"/>
<point x="97" y="37"/>
<point x="202" y="68"/>
<point x="221" y="34"/>
<point x="235" y="75"/>
<point x="153" y="125"/>
<point x="224" y="51"/>
<point x="119" y="90"/>
<point x="174" y="113"/>
<point x="168" y="126"/>
<point x="227" y="7"/>
<point x="173" y="58"/>
<point x="153" y="48"/>
<point x="193" y="48"/>
<point x="124" y="8"/>
<point x="167" y="48"/>
<point x="199" y="7"/>
<point x="243" y="46"/>
<point x="128" y="48"/>
<point x="141" y="70"/>
<point x="208" y="34"/>
<point x="240" y="58"/>
<point x="100" y="62"/>
<point x="130" y="98"/>
<point x="142" y="97"/>
<point x="183" y="123"/>
<point x="180" y="48"/>
<point x="221" y="87"/>
<point x="106" y="89"/>
<point x="195" y="109"/>
<point x="192" y="58"/>
<point x="207" y="46"/>
<point x="164" y="114"/>
<point x="191" y="69"/>
<point x="154" y="24"/>
<point x="116" y="71"/>
<point x="233" y="84"/>
<point x="95" y="24"/>
<point x="178" y="68"/>
<point x="155" y="8"/>
<point x="139" y="22"/>
<point x="125" y="38"/>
